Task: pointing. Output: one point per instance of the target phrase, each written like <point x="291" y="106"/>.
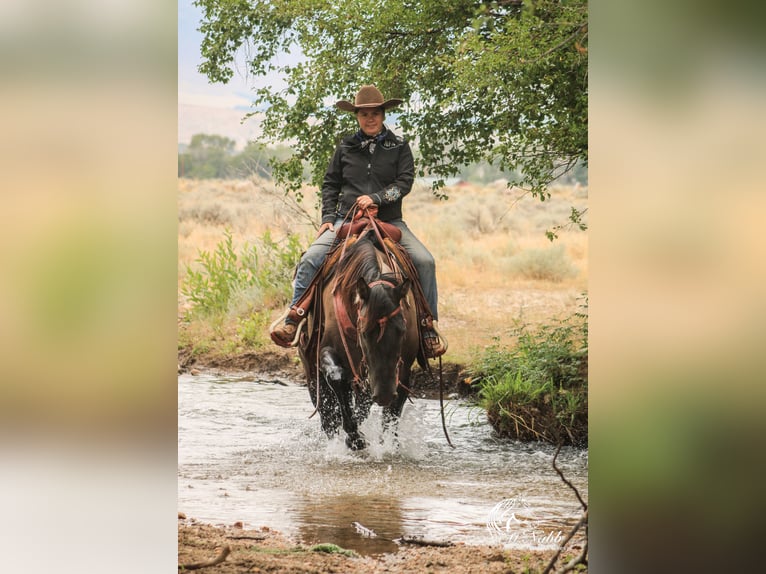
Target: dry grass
<point x="495" y="267"/>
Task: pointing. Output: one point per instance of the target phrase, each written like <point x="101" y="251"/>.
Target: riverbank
<point x="284" y="364"/>
<point x="265" y="550"/>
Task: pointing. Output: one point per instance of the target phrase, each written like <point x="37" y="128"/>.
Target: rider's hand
<point x="324" y="227"/>
<point x="364" y="201"/>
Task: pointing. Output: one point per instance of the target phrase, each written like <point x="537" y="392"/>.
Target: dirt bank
<point x="277" y="362"/>
<point x="264" y="550"/>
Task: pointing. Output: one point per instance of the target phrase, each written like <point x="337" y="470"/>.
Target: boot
<point x="284" y="334"/>
<point x="434" y="344"/>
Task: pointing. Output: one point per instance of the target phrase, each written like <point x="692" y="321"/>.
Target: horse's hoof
<point x="357" y="443"/>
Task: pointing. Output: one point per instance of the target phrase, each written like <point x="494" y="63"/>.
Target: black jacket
<point x="386" y="175"/>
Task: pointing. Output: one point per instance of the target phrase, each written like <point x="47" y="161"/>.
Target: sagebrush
<point x="258" y="275"/>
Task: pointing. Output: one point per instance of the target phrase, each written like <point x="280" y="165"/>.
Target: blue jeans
<point x="422" y="259"/>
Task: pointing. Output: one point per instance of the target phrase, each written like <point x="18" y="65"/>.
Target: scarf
<point x="369" y="142"/>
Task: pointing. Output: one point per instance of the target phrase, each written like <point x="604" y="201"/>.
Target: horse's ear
<point x="401" y="291"/>
<point x="362" y="289"/>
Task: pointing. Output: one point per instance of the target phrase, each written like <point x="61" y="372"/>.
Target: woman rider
<point x="372" y="167"/>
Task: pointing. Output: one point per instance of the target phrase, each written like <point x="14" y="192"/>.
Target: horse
<point x="369" y="335"/>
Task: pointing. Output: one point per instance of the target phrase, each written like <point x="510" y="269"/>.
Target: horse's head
<point x="382" y="329"/>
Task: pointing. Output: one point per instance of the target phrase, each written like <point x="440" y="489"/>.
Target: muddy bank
<point x="265" y="550"/>
<point x="284" y="363"/>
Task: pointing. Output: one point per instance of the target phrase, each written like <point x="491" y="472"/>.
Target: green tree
<point x="207" y="156"/>
<point x="257" y="159"/>
<point x="502" y="81"/>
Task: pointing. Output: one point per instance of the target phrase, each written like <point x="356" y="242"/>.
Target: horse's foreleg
<point x="330" y="365"/>
<point x="391" y="416"/>
<point x="334" y="374"/>
<point x="329" y="411"/>
<point x="392" y="413"/>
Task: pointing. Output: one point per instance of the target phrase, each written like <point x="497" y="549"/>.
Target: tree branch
<point x="212" y="562"/>
<point x="578" y="560"/>
<point x="428" y="31"/>
<point x="565" y="41"/>
<point x="292" y="205"/>
<point x="513" y="204"/>
<point x="582" y="522"/>
<point x="569" y="484"/>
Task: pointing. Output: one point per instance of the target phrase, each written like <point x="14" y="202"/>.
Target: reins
<point x="441" y="401"/>
<point x="338" y="304"/>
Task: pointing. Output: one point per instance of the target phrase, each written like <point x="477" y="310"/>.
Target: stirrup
<point x="298" y="329"/>
<point x="431" y="350"/>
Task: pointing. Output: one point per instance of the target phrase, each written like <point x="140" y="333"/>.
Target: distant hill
<point x="226" y="122"/>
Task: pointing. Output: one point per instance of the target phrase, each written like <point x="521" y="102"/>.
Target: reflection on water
<point x="248" y="452"/>
<point x="332" y="518"/>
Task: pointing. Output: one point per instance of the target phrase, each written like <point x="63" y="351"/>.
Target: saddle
<point x="348" y="234"/>
<point x="358" y="227"/>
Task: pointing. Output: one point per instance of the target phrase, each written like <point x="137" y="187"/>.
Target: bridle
<point x="361" y="327"/>
<point x="383" y="321"/>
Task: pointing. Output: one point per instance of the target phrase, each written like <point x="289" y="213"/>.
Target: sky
<point x="214" y="108"/>
<point x="193" y="87"/>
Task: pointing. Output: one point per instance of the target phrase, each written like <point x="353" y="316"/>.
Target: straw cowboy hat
<point x="368" y="97"/>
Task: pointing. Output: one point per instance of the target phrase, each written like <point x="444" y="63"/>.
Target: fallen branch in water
<point x="363" y="530"/>
<point x="583" y="522"/>
<point x="247" y="537"/>
<point x="369" y="533"/>
<point x="212" y="562"/>
<point x="422" y="542"/>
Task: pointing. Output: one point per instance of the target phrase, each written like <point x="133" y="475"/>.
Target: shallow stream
<point x="248" y="452"/>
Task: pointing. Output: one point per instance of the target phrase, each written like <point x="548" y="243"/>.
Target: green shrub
<point x="538" y="390"/>
<point x="260" y="273"/>
<point x="252" y="328"/>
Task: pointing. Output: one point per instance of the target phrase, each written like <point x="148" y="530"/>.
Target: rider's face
<point x="370" y="120"/>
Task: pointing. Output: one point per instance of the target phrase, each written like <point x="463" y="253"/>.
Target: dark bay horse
<point x="368" y="343"/>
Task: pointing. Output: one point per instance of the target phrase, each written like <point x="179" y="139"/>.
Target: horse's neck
<point x="381" y="267"/>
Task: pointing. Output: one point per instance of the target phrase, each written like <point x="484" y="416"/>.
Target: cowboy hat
<point x="368" y="97"/>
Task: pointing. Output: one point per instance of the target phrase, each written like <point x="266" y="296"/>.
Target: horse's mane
<point x="360" y="260"/>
